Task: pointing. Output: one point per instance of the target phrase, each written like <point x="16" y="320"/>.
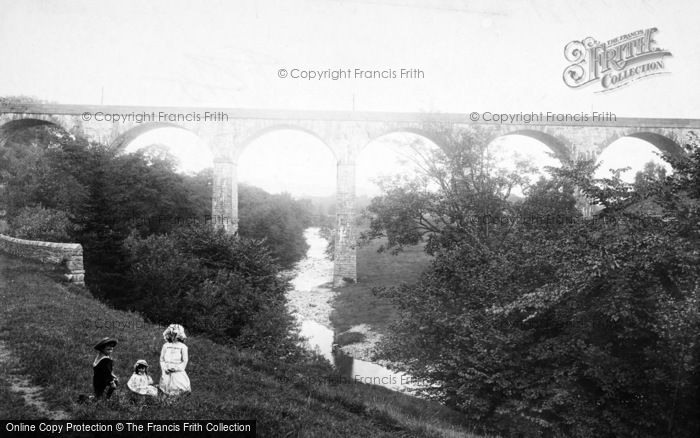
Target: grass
<point x="12" y="404"/>
<point x="356" y="304"/>
<point x="50" y="328"/>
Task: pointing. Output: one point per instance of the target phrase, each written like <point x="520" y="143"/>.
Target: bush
<point x="278" y="219"/>
<point x="550" y="340"/>
<point x="39" y="223"/>
<point x="348" y="338"/>
<point x="213" y="283"/>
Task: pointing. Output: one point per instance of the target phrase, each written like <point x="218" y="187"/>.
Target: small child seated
<point x="140" y="382"/>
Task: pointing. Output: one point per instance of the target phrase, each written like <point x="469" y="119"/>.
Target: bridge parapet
<point x="68" y="254"/>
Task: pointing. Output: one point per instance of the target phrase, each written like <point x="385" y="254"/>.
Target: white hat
<point x="175" y="329"/>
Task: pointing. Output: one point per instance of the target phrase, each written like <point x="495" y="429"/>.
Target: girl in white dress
<point x="173" y="360"/>
<point x="140" y="382"/>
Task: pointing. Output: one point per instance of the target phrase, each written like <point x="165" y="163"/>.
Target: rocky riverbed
<point x="312" y="296"/>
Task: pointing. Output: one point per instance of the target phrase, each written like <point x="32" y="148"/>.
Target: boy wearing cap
<point x="104" y="381"/>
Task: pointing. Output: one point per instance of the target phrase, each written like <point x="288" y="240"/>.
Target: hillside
<point x="49" y="329"/>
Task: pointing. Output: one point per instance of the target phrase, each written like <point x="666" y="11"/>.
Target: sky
<point x="499" y="56"/>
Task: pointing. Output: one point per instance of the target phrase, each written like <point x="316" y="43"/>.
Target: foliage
<point x="347" y="338"/>
<point x="549" y="324"/>
<point x="278" y="219"/>
<point x="445" y="204"/>
<point x="39" y="223"/>
<point x="61" y="187"/>
<point x="328" y="233"/>
<point x="215" y="283"/>
<point x="18" y="100"/>
<point x="37" y="168"/>
<point x="126" y="194"/>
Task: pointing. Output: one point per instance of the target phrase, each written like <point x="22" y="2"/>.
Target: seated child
<point x="140" y="382"/>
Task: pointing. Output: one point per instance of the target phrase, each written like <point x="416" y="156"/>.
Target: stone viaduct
<point x="228" y="131"/>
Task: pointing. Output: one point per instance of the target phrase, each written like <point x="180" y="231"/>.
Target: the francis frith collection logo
<point x="614" y="63"/>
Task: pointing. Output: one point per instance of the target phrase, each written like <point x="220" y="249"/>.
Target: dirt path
<point x="21" y="385"/>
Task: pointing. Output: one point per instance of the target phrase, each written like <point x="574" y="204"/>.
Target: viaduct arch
<point x="228" y="131"/>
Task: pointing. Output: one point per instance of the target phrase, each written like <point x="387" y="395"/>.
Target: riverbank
<point x="357" y="310"/>
<point x="313" y="299"/>
<point x="357" y="317"/>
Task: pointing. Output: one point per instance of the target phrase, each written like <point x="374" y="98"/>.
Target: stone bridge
<point x="228" y="131"/>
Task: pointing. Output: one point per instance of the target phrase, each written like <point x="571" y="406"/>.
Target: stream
<point x="311" y="302"/>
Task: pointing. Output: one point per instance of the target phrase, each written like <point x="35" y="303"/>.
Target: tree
<point x="130" y="193"/>
<point x="458" y="195"/>
<point x="128" y="212"/>
<point x="226" y="287"/>
<point x="535" y="320"/>
<point x="279" y="220"/>
<point x="37" y="168"/>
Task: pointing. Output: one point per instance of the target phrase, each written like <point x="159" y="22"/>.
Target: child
<point x="173" y="360"/>
<point x="104" y="381"/>
<point x="140" y="382"/>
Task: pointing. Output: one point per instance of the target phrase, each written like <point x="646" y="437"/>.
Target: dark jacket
<point x="102" y="379"/>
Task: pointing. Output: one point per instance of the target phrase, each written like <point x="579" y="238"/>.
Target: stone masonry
<point x="70" y="255"/>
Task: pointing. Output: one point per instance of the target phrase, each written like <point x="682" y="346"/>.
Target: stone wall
<point x="69" y="255"/>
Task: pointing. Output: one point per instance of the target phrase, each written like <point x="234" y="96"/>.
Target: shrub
<point x="348" y="338"/>
<point x="39" y="223"/>
<point x="554" y="340"/>
<point x="213" y="283"/>
<point x="278" y="219"/>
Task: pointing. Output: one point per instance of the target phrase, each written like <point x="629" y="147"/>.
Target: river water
<point x="311" y="302"/>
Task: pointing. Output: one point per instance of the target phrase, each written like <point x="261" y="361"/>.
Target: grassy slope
<point x="355" y="304"/>
<point x="50" y="328"/>
<point x="12" y="404"/>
